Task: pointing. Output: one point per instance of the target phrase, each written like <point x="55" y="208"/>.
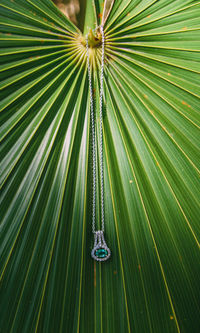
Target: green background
<point x="49" y="282"/>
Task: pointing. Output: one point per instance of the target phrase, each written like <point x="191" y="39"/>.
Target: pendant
<point x="100" y="251"/>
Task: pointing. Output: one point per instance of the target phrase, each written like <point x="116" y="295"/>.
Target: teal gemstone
<point x="101" y="253"/>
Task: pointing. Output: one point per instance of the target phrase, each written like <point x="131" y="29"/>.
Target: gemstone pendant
<point x="100" y="251"/>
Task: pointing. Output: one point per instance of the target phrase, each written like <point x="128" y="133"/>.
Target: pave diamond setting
<point x="100" y="251"/>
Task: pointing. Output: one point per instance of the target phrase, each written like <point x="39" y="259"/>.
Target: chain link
<point x="94" y="133"/>
<point x="101" y="129"/>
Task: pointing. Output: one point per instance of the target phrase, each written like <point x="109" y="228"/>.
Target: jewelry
<point x="100" y="251"/>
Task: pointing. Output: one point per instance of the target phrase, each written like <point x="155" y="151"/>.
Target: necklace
<point x="100" y="251"/>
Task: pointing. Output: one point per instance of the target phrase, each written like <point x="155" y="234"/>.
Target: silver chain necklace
<point x="100" y="251"/>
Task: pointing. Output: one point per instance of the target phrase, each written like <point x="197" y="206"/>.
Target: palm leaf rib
<point x="49" y="282"/>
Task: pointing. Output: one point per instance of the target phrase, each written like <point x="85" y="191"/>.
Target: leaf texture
<point x="49" y="282"/>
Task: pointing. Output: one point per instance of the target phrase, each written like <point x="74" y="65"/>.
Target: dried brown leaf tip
<point x="69" y="8"/>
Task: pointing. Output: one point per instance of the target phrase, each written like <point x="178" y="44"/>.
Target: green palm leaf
<point x="49" y="282"/>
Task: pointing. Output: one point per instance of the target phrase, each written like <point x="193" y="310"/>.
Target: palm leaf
<point x="49" y="282"/>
